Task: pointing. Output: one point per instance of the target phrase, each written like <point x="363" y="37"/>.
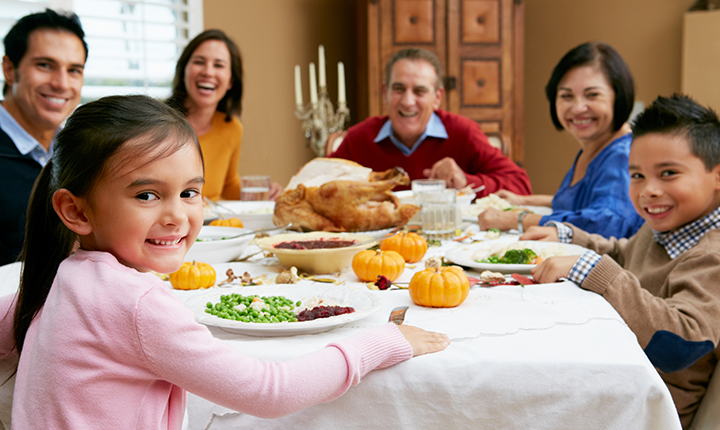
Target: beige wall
<point x="647" y="33"/>
<point x="274" y="35"/>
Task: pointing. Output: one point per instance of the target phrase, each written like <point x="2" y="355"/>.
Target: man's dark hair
<point x="16" y="40"/>
<point x="682" y="116"/>
<point x="614" y="68"/>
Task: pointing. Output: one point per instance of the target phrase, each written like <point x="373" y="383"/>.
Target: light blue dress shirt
<point x="434" y="128"/>
<point x="25" y="143"/>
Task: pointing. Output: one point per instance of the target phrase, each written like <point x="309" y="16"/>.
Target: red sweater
<point x="482" y="163"/>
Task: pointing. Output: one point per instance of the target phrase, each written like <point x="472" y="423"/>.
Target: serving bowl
<point x="319" y="260"/>
<point x="219" y="244"/>
<point x="254" y="215"/>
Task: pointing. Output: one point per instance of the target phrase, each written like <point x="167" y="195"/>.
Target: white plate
<point x="377" y="234"/>
<point x="469" y="217"/>
<point x="219" y="244"/>
<point x="464" y="255"/>
<point x="254" y="215"/>
<point x="364" y="302"/>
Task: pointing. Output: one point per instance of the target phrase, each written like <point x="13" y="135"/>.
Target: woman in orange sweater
<point x="207" y="89"/>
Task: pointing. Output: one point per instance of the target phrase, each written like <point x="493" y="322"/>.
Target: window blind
<point x="133" y="44"/>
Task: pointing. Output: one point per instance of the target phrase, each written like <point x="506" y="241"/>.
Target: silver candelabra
<point x="320" y="119"/>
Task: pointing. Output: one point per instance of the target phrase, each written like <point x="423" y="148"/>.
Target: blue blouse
<point x="599" y="202"/>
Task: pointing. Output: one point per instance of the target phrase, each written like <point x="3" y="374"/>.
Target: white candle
<point x="313" y="85"/>
<point x="321" y="65"/>
<point x="341" y="82"/>
<point x="298" y="88"/>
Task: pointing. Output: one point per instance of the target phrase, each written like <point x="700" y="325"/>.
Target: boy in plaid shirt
<point x="665" y="280"/>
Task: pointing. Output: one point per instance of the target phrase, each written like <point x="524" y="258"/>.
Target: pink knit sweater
<point x="114" y="348"/>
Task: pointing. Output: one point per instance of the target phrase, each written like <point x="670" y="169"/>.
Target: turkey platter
<point x="330" y="194"/>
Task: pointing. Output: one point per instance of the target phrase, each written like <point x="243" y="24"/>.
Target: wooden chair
<point x="500" y="141"/>
<point x="708" y="414"/>
<point x="333" y="141"/>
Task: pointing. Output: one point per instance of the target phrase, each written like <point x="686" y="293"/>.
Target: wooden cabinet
<point x="479" y="42"/>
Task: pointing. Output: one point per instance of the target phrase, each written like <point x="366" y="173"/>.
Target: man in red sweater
<point x="425" y="141"/>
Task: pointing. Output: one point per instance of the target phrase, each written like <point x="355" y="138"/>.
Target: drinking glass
<point x="421" y="185"/>
<point x="438" y="213"/>
<point x="253" y="188"/>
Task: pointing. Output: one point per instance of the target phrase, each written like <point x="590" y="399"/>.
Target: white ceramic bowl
<point x="217" y="245"/>
<point x="321" y="260"/>
<point x="254" y="215"/>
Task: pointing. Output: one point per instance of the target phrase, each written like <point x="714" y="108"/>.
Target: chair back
<point x="708" y="414"/>
<point x="501" y="142"/>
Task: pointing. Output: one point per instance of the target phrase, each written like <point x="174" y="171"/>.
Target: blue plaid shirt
<point x="674" y="242"/>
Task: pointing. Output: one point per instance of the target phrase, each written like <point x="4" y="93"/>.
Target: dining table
<point x="542" y="356"/>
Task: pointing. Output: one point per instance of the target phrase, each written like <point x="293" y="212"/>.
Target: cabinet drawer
<point x="480" y="21"/>
<point x="414" y="21"/>
<point x="481" y="82"/>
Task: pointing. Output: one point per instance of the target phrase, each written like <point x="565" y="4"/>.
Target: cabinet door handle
<point x="450" y="82"/>
<point x="481" y="82"/>
<point x="414" y="19"/>
<point x="481" y="19"/>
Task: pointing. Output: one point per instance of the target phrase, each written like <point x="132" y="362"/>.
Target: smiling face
<point x="585" y="105"/>
<point x="411" y="98"/>
<point x="208" y="75"/>
<point x="45" y="86"/>
<point x="670" y="187"/>
<point x="147" y="212"/>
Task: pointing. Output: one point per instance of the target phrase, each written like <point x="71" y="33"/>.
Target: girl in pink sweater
<point x="105" y="344"/>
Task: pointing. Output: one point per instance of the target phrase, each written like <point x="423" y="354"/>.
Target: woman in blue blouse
<point x="591" y="96"/>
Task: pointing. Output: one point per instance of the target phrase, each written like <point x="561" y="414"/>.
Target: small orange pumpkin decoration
<point x="227" y="222"/>
<point x="445" y="287"/>
<point x="193" y="276"/>
<point x="411" y="246"/>
<point x="370" y="264"/>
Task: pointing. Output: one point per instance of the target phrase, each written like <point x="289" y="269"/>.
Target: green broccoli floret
<point x="515" y="256"/>
<point x="530" y="253"/>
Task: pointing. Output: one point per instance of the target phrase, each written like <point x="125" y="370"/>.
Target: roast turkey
<point x="330" y="194"/>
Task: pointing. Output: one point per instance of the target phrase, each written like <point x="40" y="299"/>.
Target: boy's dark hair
<point x="94" y="134"/>
<point x="681" y="115"/>
<point x="231" y="104"/>
<point x="16" y="40"/>
<point x="611" y="64"/>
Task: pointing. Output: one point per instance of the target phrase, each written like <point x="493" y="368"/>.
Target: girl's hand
<point x="547" y="234"/>
<point x="423" y="342"/>
<point x="493" y="218"/>
<point x="554" y="268"/>
<point x="511" y="197"/>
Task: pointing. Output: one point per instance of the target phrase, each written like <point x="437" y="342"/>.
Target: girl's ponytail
<point x="47" y="243"/>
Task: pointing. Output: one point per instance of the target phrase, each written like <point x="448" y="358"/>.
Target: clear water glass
<point x="438" y="213"/>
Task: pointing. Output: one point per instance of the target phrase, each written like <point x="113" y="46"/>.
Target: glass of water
<point x="439" y="213"/>
<point x="253" y="188"/>
<point x="421" y="185"/>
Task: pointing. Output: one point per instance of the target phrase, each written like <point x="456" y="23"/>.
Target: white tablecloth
<point x="543" y="357"/>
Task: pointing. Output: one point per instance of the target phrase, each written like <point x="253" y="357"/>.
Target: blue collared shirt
<point x="25" y="143"/>
<point x="434" y="128"/>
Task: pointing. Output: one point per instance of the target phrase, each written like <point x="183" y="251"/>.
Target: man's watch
<point x="521" y="217"/>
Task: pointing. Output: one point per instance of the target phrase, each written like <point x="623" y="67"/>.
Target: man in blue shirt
<point x="45" y="55"/>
